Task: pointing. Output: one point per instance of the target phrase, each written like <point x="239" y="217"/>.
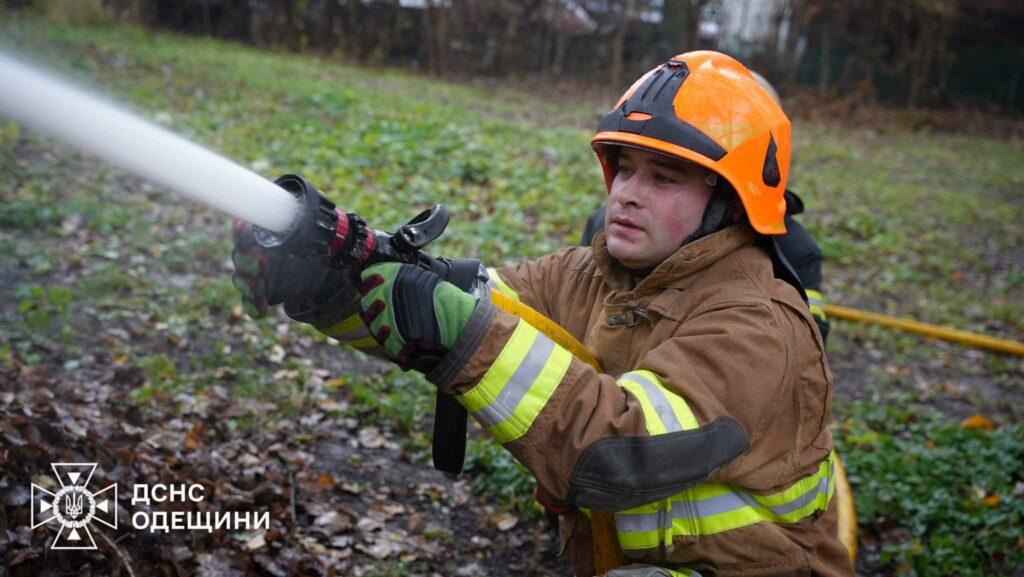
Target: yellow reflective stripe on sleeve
<point x="348" y="325"/>
<point x="351" y="332"/>
<point x="664" y="410"/>
<point x="716" y="507"/>
<point x="816" y="303"/>
<point x="363" y="343"/>
<point x="496" y="282"/>
<point x="518" y="384"/>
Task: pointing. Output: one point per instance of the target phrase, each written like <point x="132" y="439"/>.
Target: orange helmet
<point x="707" y="108"/>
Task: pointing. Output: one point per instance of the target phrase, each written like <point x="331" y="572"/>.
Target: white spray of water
<point x="46" y="103"/>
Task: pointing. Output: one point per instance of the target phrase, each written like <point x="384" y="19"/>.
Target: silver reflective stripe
<point x="709" y="507"/>
<point x="820" y="489"/>
<point x="656" y="395"/>
<point x="637" y="522"/>
<point x="518" y="384"/>
<point x="725" y="503"/>
<point x="361" y="332"/>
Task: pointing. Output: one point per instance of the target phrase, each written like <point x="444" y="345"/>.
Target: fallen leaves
<point x="342" y="496"/>
<point x="334" y="522"/>
<point x="256" y="542"/>
<point x="416" y="524"/>
<point x="978" y="422"/>
<point x="504" y="520"/>
<point x="371" y="438"/>
<point x="384" y="511"/>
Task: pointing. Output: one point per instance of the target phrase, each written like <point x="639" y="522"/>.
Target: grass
<point x="940" y="498"/>
<point x="917" y="224"/>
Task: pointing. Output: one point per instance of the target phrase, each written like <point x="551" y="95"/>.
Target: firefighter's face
<point x="655" y="203"/>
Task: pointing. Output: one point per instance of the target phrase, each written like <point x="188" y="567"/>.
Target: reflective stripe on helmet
<point x="518" y="384"/>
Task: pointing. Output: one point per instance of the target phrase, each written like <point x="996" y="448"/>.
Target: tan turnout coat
<point x="712" y="326"/>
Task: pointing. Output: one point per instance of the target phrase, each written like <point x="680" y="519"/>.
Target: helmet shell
<point x="707" y="108"/>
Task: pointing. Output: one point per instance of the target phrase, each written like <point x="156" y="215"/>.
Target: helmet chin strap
<point x="720" y="211"/>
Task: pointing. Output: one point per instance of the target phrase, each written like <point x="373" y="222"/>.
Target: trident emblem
<point x="73" y="505"/>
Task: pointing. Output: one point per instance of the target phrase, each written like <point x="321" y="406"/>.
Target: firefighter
<point x="706" y="431"/>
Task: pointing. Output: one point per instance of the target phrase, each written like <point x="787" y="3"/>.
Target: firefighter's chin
<point x="630" y="248"/>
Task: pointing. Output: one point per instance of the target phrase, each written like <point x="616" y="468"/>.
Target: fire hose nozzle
<point x="314" y="228"/>
<point x="343" y="239"/>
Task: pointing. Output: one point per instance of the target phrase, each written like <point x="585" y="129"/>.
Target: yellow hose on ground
<point x="608" y="554"/>
<point x="847" y="522"/>
<point x="925" y="329"/>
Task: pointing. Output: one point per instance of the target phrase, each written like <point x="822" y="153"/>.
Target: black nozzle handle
<point x="422" y="230"/>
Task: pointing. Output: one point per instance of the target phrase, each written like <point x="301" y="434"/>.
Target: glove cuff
<point x="465" y="346"/>
<point x="341" y="305"/>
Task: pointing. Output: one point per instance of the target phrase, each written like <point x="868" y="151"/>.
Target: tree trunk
<point x="507" y="49"/>
<point x="141" y="12"/>
<point x="826" y="56"/>
<point x="618" y="46"/>
<point x="435" y="33"/>
<point x="561" y="39"/>
<point x="441" y="41"/>
<point x="351" y="40"/>
<point x="791" y="59"/>
<point x="693" y="10"/>
<point x="207" y="24"/>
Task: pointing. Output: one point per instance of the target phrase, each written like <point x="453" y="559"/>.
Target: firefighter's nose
<point x="631" y="191"/>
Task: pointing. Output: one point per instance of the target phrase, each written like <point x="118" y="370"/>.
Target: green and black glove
<point x="266" y="277"/>
<point x="413" y="314"/>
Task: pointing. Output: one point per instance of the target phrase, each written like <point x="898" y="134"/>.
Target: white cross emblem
<point x="74" y="506"/>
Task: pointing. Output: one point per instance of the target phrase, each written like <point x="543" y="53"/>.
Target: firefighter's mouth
<point x="626" y="224"/>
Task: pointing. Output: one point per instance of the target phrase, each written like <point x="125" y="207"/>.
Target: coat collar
<point x="673" y="271"/>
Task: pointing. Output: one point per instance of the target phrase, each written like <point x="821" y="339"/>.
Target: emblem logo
<point x="74" y="506"/>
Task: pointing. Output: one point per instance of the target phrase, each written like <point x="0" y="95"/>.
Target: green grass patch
<point x="940" y="498"/>
<point x="41" y="306"/>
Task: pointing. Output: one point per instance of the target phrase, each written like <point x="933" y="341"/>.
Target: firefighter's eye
<point x="626" y="170"/>
<point x="665" y="178"/>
